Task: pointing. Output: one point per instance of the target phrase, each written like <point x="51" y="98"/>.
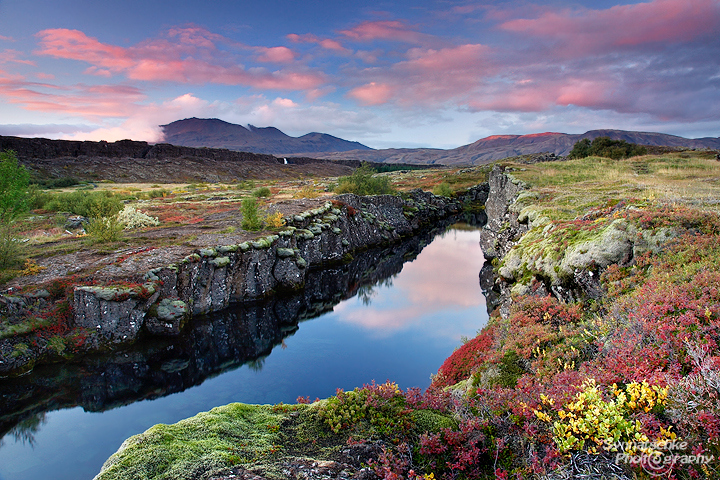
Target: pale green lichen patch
<point x="209" y="441"/>
<point x="220" y="262"/>
<point x="228" y="248"/>
<point x="285" y="252"/>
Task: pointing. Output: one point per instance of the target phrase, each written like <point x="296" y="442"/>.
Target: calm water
<point x="401" y="327"/>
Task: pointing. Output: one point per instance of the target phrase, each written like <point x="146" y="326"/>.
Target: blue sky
<point x="437" y="73"/>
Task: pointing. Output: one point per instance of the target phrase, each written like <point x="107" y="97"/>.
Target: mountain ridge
<point x="497" y="147"/>
<point x="216" y="133"/>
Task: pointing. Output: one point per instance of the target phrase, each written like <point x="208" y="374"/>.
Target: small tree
<point x="14" y="200"/>
<point x="251" y="220"/>
<point x="14" y="181"/>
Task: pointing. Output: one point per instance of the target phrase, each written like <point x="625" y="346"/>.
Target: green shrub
<point x="14" y="181"/>
<point x="362" y="182"/>
<point x="87" y="204"/>
<point x="443" y="190"/>
<point x="261" y="192"/>
<point x="10" y="249"/>
<point x="104" y="229"/>
<point x="251" y="217"/>
<point x="606" y="147"/>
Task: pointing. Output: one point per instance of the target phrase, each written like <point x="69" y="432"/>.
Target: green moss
<point x="430" y="421"/>
<point x="209" y="441"/>
<point x="31" y="324"/>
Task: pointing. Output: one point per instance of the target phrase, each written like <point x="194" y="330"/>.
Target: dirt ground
<point x="144" y="249"/>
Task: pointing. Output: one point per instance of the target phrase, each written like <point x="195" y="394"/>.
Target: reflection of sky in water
<point x="404" y="334"/>
<point x="438" y="293"/>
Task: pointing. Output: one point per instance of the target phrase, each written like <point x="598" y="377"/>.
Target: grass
<point x="567" y="189"/>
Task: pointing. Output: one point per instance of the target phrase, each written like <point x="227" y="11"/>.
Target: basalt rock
<point x="518" y="240"/>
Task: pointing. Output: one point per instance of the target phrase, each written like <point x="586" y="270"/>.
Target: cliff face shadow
<point x="210" y="345"/>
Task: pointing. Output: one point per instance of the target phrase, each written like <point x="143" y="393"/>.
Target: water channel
<point x="390" y="314"/>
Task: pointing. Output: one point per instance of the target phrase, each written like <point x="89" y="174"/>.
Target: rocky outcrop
<point x="531" y="254"/>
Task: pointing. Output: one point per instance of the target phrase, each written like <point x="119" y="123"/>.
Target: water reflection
<point x="443" y="278"/>
<point x="373" y="324"/>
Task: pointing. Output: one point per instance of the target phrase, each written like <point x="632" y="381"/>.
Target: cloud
<point x="372" y="93"/>
<point x="40" y="130"/>
<point x="87" y="101"/>
<point x="655" y="23"/>
<point x="275" y="55"/>
<point x="11" y="56"/>
<point x="325" y="43"/>
<point x="394" y="30"/>
<point x="193" y="56"/>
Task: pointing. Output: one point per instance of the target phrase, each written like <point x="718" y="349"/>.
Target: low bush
<point x="132" y="218"/>
<point x="104" y="229"/>
<point x="362" y="182"/>
<point x="443" y="190"/>
<point x="87" y="204"/>
<point x="261" y="192"/>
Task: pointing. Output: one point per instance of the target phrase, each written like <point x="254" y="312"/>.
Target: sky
<point x="420" y="73"/>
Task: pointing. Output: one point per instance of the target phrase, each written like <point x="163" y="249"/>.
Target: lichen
<point x="219" y="262"/>
<point x="285" y="252"/>
<point x="228" y="248"/>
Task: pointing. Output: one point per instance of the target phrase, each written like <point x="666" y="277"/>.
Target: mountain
<point x="497" y="147"/>
<point x="215" y="133"/>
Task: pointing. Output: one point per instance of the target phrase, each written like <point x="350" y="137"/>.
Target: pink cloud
<point x="45" y="76"/>
<point x="326" y="43"/>
<point x="7" y="39"/>
<point x="96" y="101"/>
<point x="11" y="56"/>
<point x="659" y="21"/>
<point x="195" y="58"/>
<point x="276" y="55"/>
<point x="372" y="93"/>
<point x="384" y="30"/>
<point x="430" y="76"/>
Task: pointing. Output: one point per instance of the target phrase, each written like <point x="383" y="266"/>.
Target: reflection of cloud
<point x="441" y="282"/>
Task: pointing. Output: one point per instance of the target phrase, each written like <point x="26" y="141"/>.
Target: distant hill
<point x="215" y="133"/>
<point x="497" y="147"/>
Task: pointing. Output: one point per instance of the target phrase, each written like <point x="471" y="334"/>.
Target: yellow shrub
<point x="275" y="220"/>
<point x="590" y="423"/>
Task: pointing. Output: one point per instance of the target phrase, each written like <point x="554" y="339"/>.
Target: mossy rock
<point x="220" y="262"/>
<point x="209" y="441"/>
<point x="228" y="248"/>
<point x="285" y="252"/>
